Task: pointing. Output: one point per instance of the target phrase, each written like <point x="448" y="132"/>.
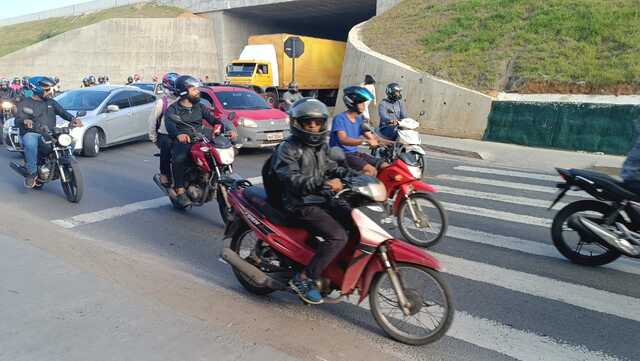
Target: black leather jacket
<point x="302" y="171"/>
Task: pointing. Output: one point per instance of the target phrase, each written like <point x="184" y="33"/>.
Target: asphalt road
<point x="151" y="279"/>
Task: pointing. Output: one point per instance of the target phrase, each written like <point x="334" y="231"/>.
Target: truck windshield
<point x="241" y="69"/>
<point x="241" y="100"/>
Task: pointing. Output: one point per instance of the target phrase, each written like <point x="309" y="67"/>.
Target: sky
<point x="12" y="8"/>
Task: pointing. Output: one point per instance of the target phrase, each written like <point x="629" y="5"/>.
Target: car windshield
<point x="144" y="86"/>
<point x="241" y="69"/>
<point x="82" y="99"/>
<point x="241" y="100"/>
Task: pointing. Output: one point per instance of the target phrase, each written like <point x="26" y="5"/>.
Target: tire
<point x="574" y="255"/>
<point x="419" y="238"/>
<point x="91" y="143"/>
<point x="376" y="300"/>
<point x="222" y="207"/>
<point x="74" y="187"/>
<point x="236" y="245"/>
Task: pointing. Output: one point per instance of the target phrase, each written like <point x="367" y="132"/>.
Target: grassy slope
<point x="16" y="37"/>
<point x="583" y="46"/>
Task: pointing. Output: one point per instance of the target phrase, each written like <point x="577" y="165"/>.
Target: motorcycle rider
<point x="26" y="91"/>
<point x="292" y="95"/>
<point x="303" y="170"/>
<point x="191" y="113"/>
<point x="45" y="110"/>
<point x="347" y="132"/>
<point x="6" y="93"/>
<point x="158" y="133"/>
<point x="391" y="110"/>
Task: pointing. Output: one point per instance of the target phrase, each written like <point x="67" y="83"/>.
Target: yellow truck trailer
<point x="264" y="65"/>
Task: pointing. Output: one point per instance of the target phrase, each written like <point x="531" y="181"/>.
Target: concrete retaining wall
<point x="120" y="47"/>
<point x="450" y="110"/>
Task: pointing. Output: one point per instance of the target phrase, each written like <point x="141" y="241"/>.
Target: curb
<point x="453" y="151"/>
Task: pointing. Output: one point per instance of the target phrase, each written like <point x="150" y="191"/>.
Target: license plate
<point x="275" y="136"/>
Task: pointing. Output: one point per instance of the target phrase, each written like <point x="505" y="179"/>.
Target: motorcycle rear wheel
<point x="560" y="225"/>
<point x="412" y="329"/>
<point x="243" y="243"/>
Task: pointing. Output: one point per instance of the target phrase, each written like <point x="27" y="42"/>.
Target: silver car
<point x="114" y="115"/>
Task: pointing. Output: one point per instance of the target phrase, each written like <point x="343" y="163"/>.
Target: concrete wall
<point x="120" y="47"/>
<point x="450" y="110"/>
<point x="384" y="5"/>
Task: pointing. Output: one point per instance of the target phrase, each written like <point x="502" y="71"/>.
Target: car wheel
<point x="91" y="143"/>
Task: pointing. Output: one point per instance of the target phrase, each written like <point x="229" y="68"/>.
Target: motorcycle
<point x="211" y="172"/>
<point x="421" y="218"/>
<point x="268" y="247"/>
<point x="56" y="161"/>
<point x="604" y="229"/>
<point x="407" y="142"/>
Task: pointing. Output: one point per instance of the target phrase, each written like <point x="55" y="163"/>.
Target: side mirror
<point x="232" y="116"/>
<point x="112" y="108"/>
<point x="336" y="154"/>
<point x="81" y="113"/>
<point x="27" y="111"/>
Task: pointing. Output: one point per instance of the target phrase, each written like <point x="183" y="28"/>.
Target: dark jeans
<point x="323" y="222"/>
<point x="357" y="160"/>
<point x="180" y="155"/>
<point x="165" y="143"/>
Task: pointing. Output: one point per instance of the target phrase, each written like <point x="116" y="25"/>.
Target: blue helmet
<point x="38" y="83"/>
<point x="354" y="95"/>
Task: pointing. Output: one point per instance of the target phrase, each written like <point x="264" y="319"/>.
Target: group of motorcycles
<point x="407" y="296"/>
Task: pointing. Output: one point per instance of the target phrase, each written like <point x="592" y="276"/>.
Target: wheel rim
<point x="426" y="318"/>
<point x="96" y="143"/>
<point x="572" y="240"/>
<point x="428" y="223"/>
<point x="252" y="250"/>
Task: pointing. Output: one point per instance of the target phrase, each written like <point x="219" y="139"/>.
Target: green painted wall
<point x="607" y="128"/>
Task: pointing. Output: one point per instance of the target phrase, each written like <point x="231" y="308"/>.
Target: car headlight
<point x="247" y="123"/>
<point x="416" y="172"/>
<point x="65" y="140"/>
<point x="7" y="105"/>
<point x="287" y="120"/>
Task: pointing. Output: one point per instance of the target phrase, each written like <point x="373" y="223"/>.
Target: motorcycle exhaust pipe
<point x="18" y="168"/>
<point x="611" y="239"/>
<point x="257" y="276"/>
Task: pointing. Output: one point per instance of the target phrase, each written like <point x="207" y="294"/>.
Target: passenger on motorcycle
<point x="391" y="110"/>
<point x="158" y="133"/>
<point x="45" y="110"/>
<point x="347" y="132"/>
<point x="191" y="113"/>
<point x="304" y="172"/>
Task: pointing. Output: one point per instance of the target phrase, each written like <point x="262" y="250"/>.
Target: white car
<point x="114" y="115"/>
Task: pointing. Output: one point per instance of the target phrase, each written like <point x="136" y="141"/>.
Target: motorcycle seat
<point x="608" y="184"/>
<point x="257" y="196"/>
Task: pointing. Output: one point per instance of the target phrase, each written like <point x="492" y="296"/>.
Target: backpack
<point x="272" y="185"/>
<point x="165" y="106"/>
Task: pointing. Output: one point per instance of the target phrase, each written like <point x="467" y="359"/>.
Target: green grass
<point x="503" y="44"/>
<point x="16" y="37"/>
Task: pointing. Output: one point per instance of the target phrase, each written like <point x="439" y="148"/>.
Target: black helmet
<point x="101" y="79"/>
<point x="56" y="79"/>
<point x="309" y="108"/>
<point x="369" y="79"/>
<point x="354" y="95"/>
<point x="391" y="91"/>
<point x="293" y="87"/>
<point x="129" y="80"/>
<point x="92" y="79"/>
<point x="183" y="83"/>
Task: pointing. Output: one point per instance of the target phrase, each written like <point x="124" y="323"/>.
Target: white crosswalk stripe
<point x="523" y="201"/>
<point x="491" y="213"/>
<point x="504" y="184"/>
<point x="510" y="173"/>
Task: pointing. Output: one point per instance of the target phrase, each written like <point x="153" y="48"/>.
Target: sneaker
<point x="183" y="200"/>
<point x="30" y="181"/>
<point x="306" y="289"/>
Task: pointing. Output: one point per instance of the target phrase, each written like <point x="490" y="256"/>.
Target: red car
<point x="258" y="124"/>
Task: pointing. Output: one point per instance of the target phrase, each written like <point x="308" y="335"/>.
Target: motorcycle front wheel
<point x="74" y="186"/>
<point x="422" y="220"/>
<point x="431" y="306"/>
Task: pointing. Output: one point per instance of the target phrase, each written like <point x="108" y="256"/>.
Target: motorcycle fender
<point x="415" y="148"/>
<point x="399" y="252"/>
<point x="411" y="187"/>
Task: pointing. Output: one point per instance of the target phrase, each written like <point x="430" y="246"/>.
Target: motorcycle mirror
<point x="336" y="154"/>
<point x="232" y="116"/>
<point x="27" y="111"/>
<point x="81" y="113"/>
<point x="390" y="111"/>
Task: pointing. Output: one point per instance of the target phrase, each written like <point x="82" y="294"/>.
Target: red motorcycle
<point x="421" y="218"/>
<point x="211" y="171"/>
<point x="407" y="296"/>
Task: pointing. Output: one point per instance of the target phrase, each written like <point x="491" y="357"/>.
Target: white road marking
<point x="510" y="173"/>
<point x="577" y="295"/>
<point x="490" y="213"/>
<point x="523" y="201"/>
<point x="503" y="184"/>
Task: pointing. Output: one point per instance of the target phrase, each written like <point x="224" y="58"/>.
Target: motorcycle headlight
<point x="416" y="172"/>
<point x="65" y="140"/>
<point x="247" y="123"/>
<point x="7" y="105"/>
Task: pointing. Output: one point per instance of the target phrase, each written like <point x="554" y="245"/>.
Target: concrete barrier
<point x="451" y="110"/>
<point x="119" y="48"/>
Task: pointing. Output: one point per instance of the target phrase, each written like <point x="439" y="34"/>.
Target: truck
<point x="265" y="66"/>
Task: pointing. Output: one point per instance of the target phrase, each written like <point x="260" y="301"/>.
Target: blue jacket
<point x="388" y="111"/>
